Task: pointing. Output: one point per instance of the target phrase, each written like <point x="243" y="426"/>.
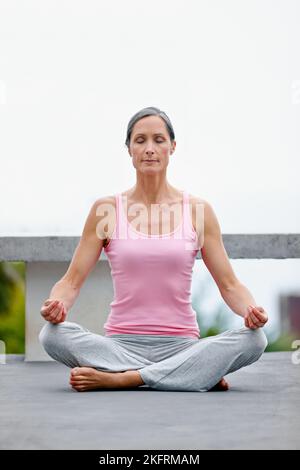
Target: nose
<point x="149" y="148"/>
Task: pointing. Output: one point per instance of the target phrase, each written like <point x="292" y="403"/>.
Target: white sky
<point x="266" y="280"/>
<point x="72" y="73"/>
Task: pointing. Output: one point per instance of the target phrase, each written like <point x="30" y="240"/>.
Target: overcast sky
<point x="72" y="74"/>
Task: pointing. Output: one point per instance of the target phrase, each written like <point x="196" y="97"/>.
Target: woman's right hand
<point x="53" y="311"/>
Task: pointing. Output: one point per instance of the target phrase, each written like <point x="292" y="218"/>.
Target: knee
<point x="48" y="335"/>
<point x="51" y="334"/>
<point x="257" y="341"/>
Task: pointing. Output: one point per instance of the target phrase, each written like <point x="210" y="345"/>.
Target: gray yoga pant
<point x="164" y="362"/>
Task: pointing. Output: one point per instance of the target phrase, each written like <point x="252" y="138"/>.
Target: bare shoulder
<point x="196" y="199"/>
<point x="211" y="226"/>
<point x="109" y="200"/>
<point x="198" y="204"/>
<point x="103" y="206"/>
<point x="203" y="216"/>
<point x="203" y="203"/>
<point x="103" y="215"/>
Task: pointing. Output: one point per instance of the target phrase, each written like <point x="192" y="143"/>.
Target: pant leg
<point x="76" y="346"/>
<point x="203" y="364"/>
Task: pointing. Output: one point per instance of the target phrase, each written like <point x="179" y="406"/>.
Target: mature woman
<point x="151" y="333"/>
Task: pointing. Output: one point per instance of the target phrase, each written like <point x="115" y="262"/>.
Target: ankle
<point x="131" y="378"/>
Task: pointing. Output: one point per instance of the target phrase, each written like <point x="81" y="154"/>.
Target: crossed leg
<point x="199" y="368"/>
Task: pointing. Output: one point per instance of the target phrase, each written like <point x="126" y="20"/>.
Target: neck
<point x="152" y="191"/>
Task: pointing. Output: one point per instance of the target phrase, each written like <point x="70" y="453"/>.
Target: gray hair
<point x="149" y="111"/>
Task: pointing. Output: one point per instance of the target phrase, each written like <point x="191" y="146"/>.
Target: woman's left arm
<point x="234" y="293"/>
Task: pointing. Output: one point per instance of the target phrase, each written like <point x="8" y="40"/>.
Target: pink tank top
<point x="152" y="277"/>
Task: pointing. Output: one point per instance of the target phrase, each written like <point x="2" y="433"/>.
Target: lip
<point x="150" y="161"/>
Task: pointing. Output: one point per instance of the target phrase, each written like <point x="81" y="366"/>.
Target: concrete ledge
<point x="47" y="259"/>
<point x="61" y="248"/>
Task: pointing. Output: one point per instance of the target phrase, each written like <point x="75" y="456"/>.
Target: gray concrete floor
<point x="39" y="410"/>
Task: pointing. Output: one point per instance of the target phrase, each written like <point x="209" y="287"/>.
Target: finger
<point x="258" y="308"/>
<point x="45" y="308"/>
<point x="254" y="319"/>
<point x="55" y="320"/>
<point x="258" y="320"/>
<point x="51" y="307"/>
<point x="60" y="317"/>
<point x="55" y="312"/>
<point x="251" y="324"/>
<point x="260" y="315"/>
<point x="258" y="324"/>
<point x="46" y="313"/>
<point x="246" y="321"/>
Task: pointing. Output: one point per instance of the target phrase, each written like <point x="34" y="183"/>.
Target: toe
<point x="75" y="371"/>
<point x="76" y="380"/>
<point x="78" y="388"/>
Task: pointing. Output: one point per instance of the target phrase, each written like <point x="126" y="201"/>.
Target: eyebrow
<point x="157" y="133"/>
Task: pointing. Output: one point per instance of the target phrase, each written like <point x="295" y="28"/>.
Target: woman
<point x="152" y="336"/>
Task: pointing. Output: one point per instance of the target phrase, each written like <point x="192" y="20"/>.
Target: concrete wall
<point x="90" y="309"/>
<point x="48" y="257"/>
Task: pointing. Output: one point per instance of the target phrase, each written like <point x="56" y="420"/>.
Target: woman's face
<point x="150" y="144"/>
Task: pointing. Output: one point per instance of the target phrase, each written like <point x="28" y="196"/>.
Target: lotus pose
<point x="151" y="235"/>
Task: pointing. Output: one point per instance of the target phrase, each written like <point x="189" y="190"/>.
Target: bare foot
<point x="221" y="386"/>
<point x="88" y="378"/>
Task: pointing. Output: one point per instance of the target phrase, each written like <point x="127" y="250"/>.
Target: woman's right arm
<point x="64" y="292"/>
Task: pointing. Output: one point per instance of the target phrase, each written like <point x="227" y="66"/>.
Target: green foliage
<point x="283" y="343"/>
<point x="12" y="306"/>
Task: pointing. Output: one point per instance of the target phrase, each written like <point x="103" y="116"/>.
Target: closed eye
<point x="158" y="141"/>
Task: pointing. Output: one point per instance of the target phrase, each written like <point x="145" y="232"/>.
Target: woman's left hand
<point x="256" y="317"/>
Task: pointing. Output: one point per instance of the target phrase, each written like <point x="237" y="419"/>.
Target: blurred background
<point x="226" y="73"/>
<point x="280" y="299"/>
<point x="12" y="306"/>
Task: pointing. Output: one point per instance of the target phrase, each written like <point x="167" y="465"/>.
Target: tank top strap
<point x="117" y="230"/>
<point x="121" y="225"/>
<point x="187" y="220"/>
<point x="185" y="202"/>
